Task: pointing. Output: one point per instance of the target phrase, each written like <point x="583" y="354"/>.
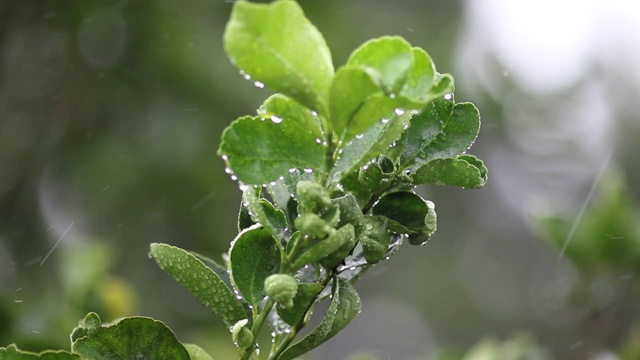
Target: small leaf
<point x="131" y="338"/>
<point x="405" y="208"/>
<point x="344" y="238"/>
<point x="374" y="237"/>
<point x="12" y="352"/>
<point x="350" y="212"/>
<point x="306" y="294"/>
<point x="465" y="171"/>
<point x="259" y="151"/>
<point x="344" y="307"/>
<point x="387" y="59"/>
<point x="421" y="78"/>
<point x="265" y="213"/>
<point x="276" y="45"/>
<point x="196" y="352"/>
<point x="254" y="255"/>
<point x="349" y="90"/>
<point x="200" y="280"/>
<point x="279" y="107"/>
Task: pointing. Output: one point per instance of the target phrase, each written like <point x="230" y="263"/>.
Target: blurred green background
<point x="111" y="113"/>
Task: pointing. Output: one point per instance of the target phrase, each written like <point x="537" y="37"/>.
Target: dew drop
<point x="399" y="111"/>
<point x="359" y="136"/>
<point x="258" y="84"/>
<point x="392" y="96"/>
<point x="225" y="157"/>
<point x="276" y="119"/>
<point x="291" y="171"/>
<point x="314" y="113"/>
<point x="273" y="183"/>
<point x="228" y="170"/>
<point x="448" y="96"/>
<point x="244" y="188"/>
<point x="234" y="178"/>
<point x="384" y="121"/>
<point x="318" y="141"/>
<point x="308" y="171"/>
<point x="245" y="75"/>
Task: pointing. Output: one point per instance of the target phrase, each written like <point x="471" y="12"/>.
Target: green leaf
<point x="279" y="107"/>
<point x="254" y="255"/>
<point x="388" y="60"/>
<point x="410" y="214"/>
<point x="305" y="296"/>
<point x="350" y="212"/>
<point x="259" y="150"/>
<point x="131" y="338"/>
<point x="200" y="280"/>
<point x="265" y="213"/>
<point x="196" y="352"/>
<point x="12" y="352"/>
<point x="343" y="239"/>
<point x="376" y="141"/>
<point x="276" y="45"/>
<point x="442" y="130"/>
<point x="421" y="78"/>
<point x="465" y="171"/>
<point x="350" y="89"/>
<point x="284" y="189"/>
<point x="344" y="307"/>
<point x="374" y="237"/>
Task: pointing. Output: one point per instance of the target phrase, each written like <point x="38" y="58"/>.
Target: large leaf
<point x="12" y="352"/>
<point x="344" y="307"/>
<point x="259" y="150"/>
<point x="465" y="171"/>
<point x="421" y="78"/>
<point x="442" y="130"/>
<point x="254" y="255"/>
<point x="131" y="339"/>
<point x="276" y="45"/>
<point x="388" y="59"/>
<point x="200" y="280"/>
<point x="279" y="107"/>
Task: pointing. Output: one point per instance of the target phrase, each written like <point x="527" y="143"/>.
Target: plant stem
<point x="255" y="329"/>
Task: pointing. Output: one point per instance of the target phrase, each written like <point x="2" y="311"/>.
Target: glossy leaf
<point x="259" y="150"/>
<point x="276" y="45"/>
<point x="465" y="171"/>
<point x="388" y="60"/>
<point x="421" y="77"/>
<point x="344" y="307"/>
<point x="254" y="255"/>
<point x="265" y="213"/>
<point x="12" y="352"/>
<point x="279" y="107"/>
<point x="200" y="280"/>
<point x="196" y="352"/>
<point x="131" y="338"/>
<point x="344" y="238"/>
<point x="405" y="208"/>
<point x="301" y="302"/>
<point x="374" y="237"/>
<point x="350" y="212"/>
<point x="350" y="89"/>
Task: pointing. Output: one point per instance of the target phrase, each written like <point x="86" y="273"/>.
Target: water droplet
<point x="228" y="170"/>
<point x="276" y="119"/>
<point x="258" y="84"/>
<point x="314" y="113"/>
<point x="291" y="171"/>
<point x="318" y="141"/>
<point x="273" y="183"/>
<point x="392" y="96"/>
<point x="245" y="75"/>
<point x="399" y="111"/>
<point x="359" y="136"/>
<point x="448" y="96"/>
<point x="234" y="178"/>
<point x="365" y="167"/>
<point x="384" y="121"/>
<point x="225" y="157"/>
<point x="308" y="171"/>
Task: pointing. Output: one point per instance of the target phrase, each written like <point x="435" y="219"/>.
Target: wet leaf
<point x="254" y="255"/>
<point x="265" y="213"/>
<point x="12" y="352"/>
<point x="421" y="77"/>
<point x="196" y="352"/>
<point x="200" y="280"/>
<point x="374" y="237"/>
<point x="465" y="171"/>
<point x="259" y="151"/>
<point x="341" y="241"/>
<point x="409" y="214"/>
<point x="279" y="106"/>
<point x="276" y="45"/>
<point x="131" y="338"/>
<point x="301" y="302"/>
<point x="344" y="307"/>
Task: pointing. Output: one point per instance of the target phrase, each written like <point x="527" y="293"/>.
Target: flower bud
<point x="313" y="225"/>
<point x="312" y="195"/>
<point x="281" y="288"/>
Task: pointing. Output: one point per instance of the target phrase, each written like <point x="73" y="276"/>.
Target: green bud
<point x="281" y="288"/>
<point x="312" y="195"/>
<point x="241" y="334"/>
<point x="313" y="225"/>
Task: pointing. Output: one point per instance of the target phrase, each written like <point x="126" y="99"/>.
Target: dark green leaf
<point x="254" y="255"/>
<point x="343" y="239"/>
<point x="344" y="307"/>
<point x="12" y="352"/>
<point x="301" y="303"/>
<point x="265" y="213"/>
<point x="200" y="280"/>
<point x="196" y="352"/>
<point x="259" y="150"/>
<point x="350" y="212"/>
<point x="131" y="338"/>
<point x="276" y="45"/>
<point x="388" y="60"/>
<point x="374" y="237"/>
<point x="465" y="171"/>
<point x="405" y="208"/>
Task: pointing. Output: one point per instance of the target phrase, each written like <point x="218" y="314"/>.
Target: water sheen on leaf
<point x="254" y="255"/>
<point x="276" y="45"/>
<point x="301" y="302"/>
<point x="344" y="307"/>
<point x="465" y="171"/>
<point x="258" y="150"/>
<point x="12" y="352"/>
<point x="200" y="280"/>
<point x="131" y="338"/>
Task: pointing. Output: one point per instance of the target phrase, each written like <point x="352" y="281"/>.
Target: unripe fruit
<point x="241" y="334"/>
<point x="312" y="195"/>
<point x="281" y="288"/>
<point x="313" y="225"/>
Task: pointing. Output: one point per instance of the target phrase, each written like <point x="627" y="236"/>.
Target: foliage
<point x="327" y="168"/>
